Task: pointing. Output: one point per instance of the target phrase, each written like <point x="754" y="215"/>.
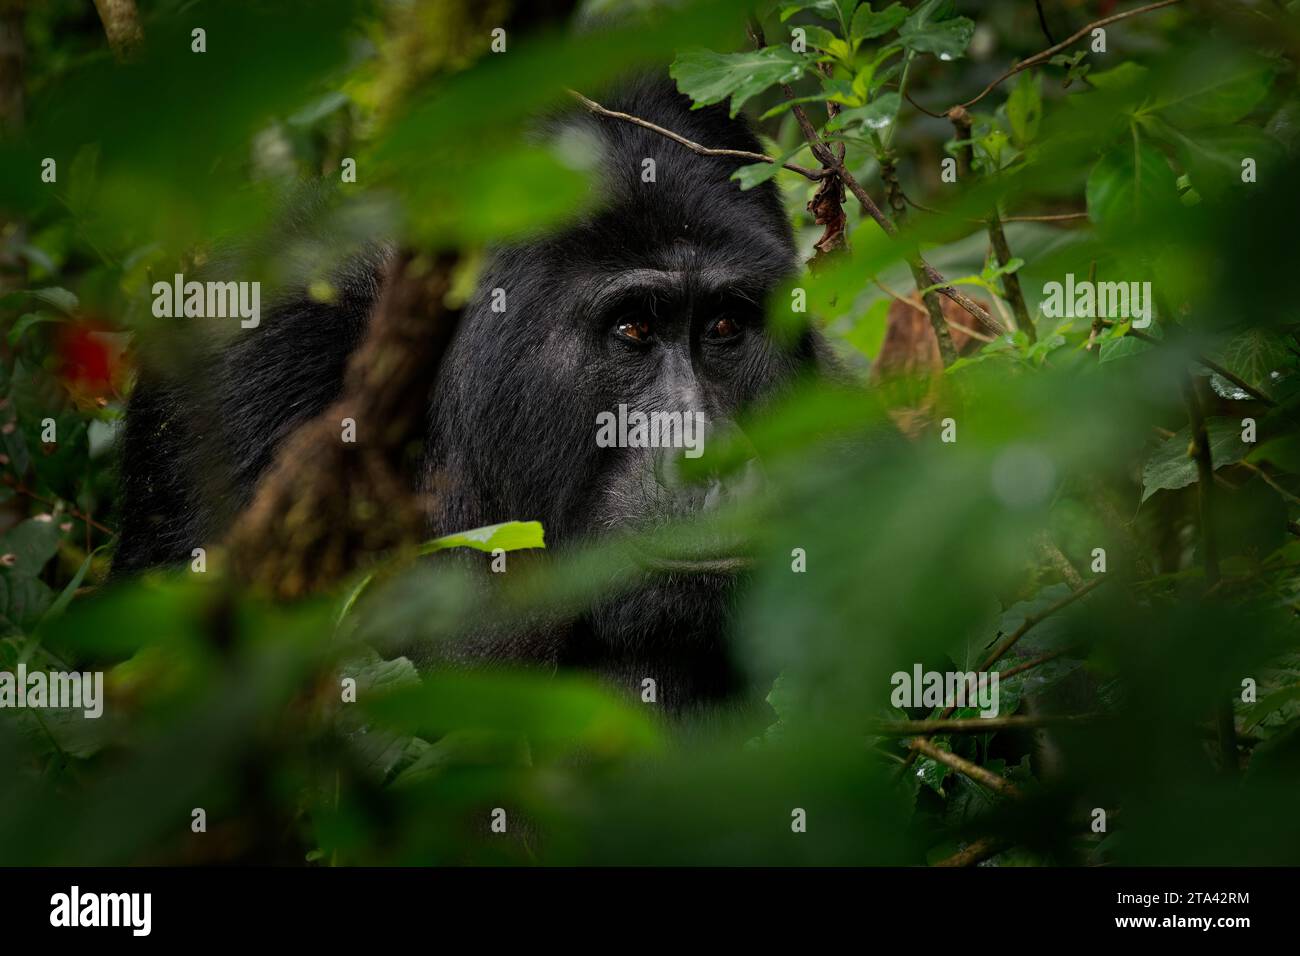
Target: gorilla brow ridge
<point x="602" y="292"/>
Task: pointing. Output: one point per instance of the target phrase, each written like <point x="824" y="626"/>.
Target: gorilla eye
<point x="634" y="331"/>
<point x="726" y="327"/>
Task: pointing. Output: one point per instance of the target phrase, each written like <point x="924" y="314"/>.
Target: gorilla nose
<point x="745" y="482"/>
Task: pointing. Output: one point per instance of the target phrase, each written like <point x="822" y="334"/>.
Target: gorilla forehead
<point x="692" y="216"/>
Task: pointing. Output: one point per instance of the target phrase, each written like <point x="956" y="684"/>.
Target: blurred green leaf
<point x="1130" y="184"/>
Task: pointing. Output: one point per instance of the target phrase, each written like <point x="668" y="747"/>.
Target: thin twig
<point x="1268" y="480"/>
<point x="988" y="339"/>
<point x="1042" y="22"/>
<point x="908" y="96"/>
<point x="976" y="852"/>
<point x="1057" y="558"/>
<point x="1011" y="639"/>
<point x="1036" y="662"/>
<point x="975" y="725"/>
<point x="831" y="165"/>
<point x="1094" y="331"/>
<point x="963" y="766"/>
<point x="21" y="489"/>
<point x="121" y="25"/>
<point x="1227" y="731"/>
<point x="961" y="124"/>
<point x="1051" y="51"/>
<point x="828" y="159"/>
<point x="1212" y="365"/>
<point x="1056" y="217"/>
<point x="694" y="147"/>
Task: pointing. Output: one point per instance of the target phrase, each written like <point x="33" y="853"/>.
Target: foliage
<point x="1073" y="466"/>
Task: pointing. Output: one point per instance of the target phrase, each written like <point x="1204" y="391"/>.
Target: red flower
<point x="90" y="361"/>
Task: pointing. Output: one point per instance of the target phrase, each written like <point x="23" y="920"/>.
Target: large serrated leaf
<point x="708" y="77"/>
<point x="928" y="30"/>
<point x="868" y="24"/>
<point x="1171" y="467"/>
<point x="1132" y="183"/>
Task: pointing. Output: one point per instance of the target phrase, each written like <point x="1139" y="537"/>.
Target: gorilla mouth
<point x="713" y="556"/>
<point x="716" y="565"/>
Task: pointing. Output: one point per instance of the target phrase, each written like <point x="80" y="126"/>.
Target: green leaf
<point x="508" y="536"/>
<point x="928" y="31"/>
<point x="755" y="174"/>
<point x="1215" y="97"/>
<point x="1122" y="346"/>
<point x="931" y="772"/>
<point x="29" y="319"/>
<point x="875" y="115"/>
<point x="1271" y="704"/>
<point x="1254" y="355"/>
<point x="1121" y="77"/>
<point x="1171" y="466"/>
<point x="494" y="195"/>
<point x="1025" y="108"/>
<point x="1130" y="184"/>
<point x="83" y="181"/>
<point x="823" y="39"/>
<point x="833" y="91"/>
<point x="31" y="544"/>
<point x="1283" y="453"/>
<point x="1075" y="68"/>
<point x="26" y="549"/>
<point x="23" y="601"/>
<point x="868" y="23"/>
<point x="66" y="595"/>
<point x="868" y="332"/>
<point x="557" y="711"/>
<point x="708" y="77"/>
<point x="1048" y="635"/>
<point x="1213" y="158"/>
<point x="829" y="9"/>
<point x="61" y="299"/>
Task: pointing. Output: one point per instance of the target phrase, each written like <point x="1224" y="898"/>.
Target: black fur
<point x="513" y="419"/>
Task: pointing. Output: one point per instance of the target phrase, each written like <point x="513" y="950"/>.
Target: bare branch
<point x="1069" y="41"/>
<point x="976" y="852"/>
<point x="963" y="766"/>
<point x="327" y="505"/>
<point x="1031" y="620"/>
<point x="694" y="147"/>
<point x="1212" y="365"/>
<point x="976" y="725"/>
<point x="121" y="25"/>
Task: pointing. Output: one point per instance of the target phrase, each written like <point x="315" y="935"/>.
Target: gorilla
<point x="653" y="300"/>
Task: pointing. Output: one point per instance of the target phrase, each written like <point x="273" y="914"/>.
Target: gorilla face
<point x="651" y="310"/>
<point x="653" y="305"/>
